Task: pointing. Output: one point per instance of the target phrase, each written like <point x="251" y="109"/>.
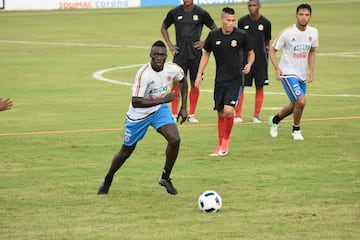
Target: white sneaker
<point x="215" y="153"/>
<point x="223" y="153"/>
<point x="238" y="120"/>
<point x="192" y="119"/>
<point x="219" y="153"/>
<point x="297" y="135"/>
<point x="273" y="127"/>
<point x="256" y="120"/>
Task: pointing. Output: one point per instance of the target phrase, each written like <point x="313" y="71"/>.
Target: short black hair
<point x="228" y="10"/>
<point x="159" y="43"/>
<point x="258" y="1"/>
<point x="303" y="6"/>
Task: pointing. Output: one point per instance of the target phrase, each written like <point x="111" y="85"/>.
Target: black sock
<point x="108" y="179"/>
<point x="276" y="119"/>
<point x="165" y="174"/>
<point x="296" y="128"/>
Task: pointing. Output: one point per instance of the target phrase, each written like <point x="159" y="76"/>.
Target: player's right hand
<point x="198" y="81"/>
<point x="182" y="115"/>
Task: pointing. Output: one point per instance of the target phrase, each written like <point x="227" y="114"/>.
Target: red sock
<point x="259" y="98"/>
<point x="194" y="96"/>
<point x="228" y="124"/>
<point x="238" y="108"/>
<point x="221" y="127"/>
<point x="175" y="103"/>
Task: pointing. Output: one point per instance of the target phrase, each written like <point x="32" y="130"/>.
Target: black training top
<point x="188" y="28"/>
<point x="229" y="51"/>
<point x="259" y="31"/>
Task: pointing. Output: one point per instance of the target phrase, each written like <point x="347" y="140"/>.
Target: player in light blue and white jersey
<point x="149" y="107"/>
<point x="296" y="67"/>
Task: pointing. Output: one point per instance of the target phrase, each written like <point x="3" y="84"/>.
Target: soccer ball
<point x="210" y="201"/>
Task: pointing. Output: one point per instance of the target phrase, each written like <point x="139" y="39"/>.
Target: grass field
<point x="57" y="142"/>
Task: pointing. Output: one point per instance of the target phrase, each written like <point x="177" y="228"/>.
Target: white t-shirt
<point x="150" y="84"/>
<point x="296" y="46"/>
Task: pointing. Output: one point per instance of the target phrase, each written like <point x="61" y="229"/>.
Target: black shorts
<point x="259" y="74"/>
<point x="190" y="66"/>
<point x="227" y="94"/>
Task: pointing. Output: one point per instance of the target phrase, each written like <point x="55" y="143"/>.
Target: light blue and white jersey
<point x="296" y="46"/>
<point x="150" y="84"/>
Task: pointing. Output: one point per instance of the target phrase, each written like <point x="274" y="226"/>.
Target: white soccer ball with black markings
<point x="210" y="201"/>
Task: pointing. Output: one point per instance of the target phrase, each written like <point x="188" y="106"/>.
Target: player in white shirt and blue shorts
<point x="296" y="67"/>
<point x="149" y="107"/>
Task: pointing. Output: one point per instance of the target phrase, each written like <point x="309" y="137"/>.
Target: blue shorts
<point x="135" y="130"/>
<point x="294" y="87"/>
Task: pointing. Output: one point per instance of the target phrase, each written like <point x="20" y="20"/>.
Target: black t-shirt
<point x="259" y="31"/>
<point x="188" y="28"/>
<point x="229" y="51"/>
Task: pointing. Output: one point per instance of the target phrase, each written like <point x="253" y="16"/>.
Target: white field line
<point x="71" y="44"/>
<point x="74" y="44"/>
<point x="98" y="75"/>
<point x="339" y="54"/>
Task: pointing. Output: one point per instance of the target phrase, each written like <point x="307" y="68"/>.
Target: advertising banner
<point x="67" y="4"/>
<point x="146" y="3"/>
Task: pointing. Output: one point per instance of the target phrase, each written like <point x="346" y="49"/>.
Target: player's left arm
<point x="267" y="47"/>
<point x="251" y="59"/>
<point x="311" y="63"/>
<point x="267" y="37"/>
<point x="183" y="85"/>
<point x="203" y="63"/>
<point x="200" y="44"/>
<point x="210" y="23"/>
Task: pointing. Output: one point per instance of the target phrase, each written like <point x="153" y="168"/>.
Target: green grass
<point x="58" y="140"/>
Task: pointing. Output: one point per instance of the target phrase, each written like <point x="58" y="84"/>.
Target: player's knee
<point x="228" y="112"/>
<point x="123" y="155"/>
<point x="124" y="152"/>
<point x="300" y="103"/>
<point x="174" y="141"/>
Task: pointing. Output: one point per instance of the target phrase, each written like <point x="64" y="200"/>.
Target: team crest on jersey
<point x="233" y="43"/>
<point x="310" y="39"/>
<point x="218" y="42"/>
<point x="179" y="17"/>
<point x="246" y="27"/>
<point x="261" y="27"/>
<point x="196" y="18"/>
<point x="168" y="78"/>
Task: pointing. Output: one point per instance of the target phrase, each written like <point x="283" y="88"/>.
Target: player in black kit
<point x="189" y="20"/>
<point x="229" y="45"/>
<point x="259" y="30"/>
